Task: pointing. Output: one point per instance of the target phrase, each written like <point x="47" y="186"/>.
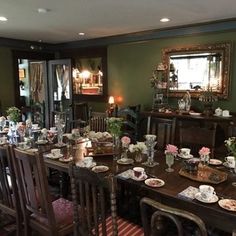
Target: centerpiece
<point x="13" y="114"/>
<point x="170" y="153"/>
<point x="204" y="153"/>
<point x="138" y="149"/>
<point x="114" y="125"/>
<point x="230" y="143"/>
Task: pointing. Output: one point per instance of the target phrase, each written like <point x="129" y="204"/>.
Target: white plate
<point x="81" y="164"/>
<point x="41" y="142"/>
<point x="153" y="182"/>
<point x="125" y="161"/>
<point x="223" y="116"/>
<point x="100" y="169"/>
<point x="24" y="148"/>
<point x="185" y="157"/>
<point x="33" y="150"/>
<point x="51" y="156"/>
<point x="195" y="113"/>
<point x="139" y="179"/>
<point x="215" y="162"/>
<point x="226" y="165"/>
<point x="66" y="159"/>
<point x="212" y="200"/>
<point x="228" y="204"/>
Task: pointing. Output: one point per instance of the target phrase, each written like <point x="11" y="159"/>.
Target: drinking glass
<point x="2" y="124"/>
<point x="116" y="147"/>
<point x="169" y="162"/>
<point x="150" y="143"/>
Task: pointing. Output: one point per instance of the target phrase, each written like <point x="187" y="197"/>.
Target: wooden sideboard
<point x="223" y="124"/>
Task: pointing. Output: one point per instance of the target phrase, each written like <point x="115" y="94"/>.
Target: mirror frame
<point x="224" y="48"/>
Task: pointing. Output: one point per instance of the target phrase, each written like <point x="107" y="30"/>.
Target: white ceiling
<point x="99" y="18"/>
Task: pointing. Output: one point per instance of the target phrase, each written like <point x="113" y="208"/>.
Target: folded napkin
<point x="188" y="193"/>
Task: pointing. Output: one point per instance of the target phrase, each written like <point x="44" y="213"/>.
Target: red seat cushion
<point x="125" y="228"/>
<point x="63" y="211"/>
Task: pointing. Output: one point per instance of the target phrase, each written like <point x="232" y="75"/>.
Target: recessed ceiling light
<point x="3" y="18"/>
<point x="43" y="10"/>
<point x="164" y="19"/>
<point x="81" y="33"/>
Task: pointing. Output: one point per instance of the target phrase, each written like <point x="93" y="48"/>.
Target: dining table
<point x="170" y="192"/>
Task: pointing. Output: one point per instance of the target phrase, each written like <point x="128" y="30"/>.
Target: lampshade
<point x="111" y="100"/>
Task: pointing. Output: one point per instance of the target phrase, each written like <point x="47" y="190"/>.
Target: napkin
<point x="188" y="193"/>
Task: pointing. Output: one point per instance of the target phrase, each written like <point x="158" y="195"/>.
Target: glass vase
<point x="116" y="147"/>
<point x="169" y="161"/>
<point x="205" y="159"/>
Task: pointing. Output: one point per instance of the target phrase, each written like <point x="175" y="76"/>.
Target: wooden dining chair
<point x="130" y="122"/>
<point x="196" y="137"/>
<point x="159" y="219"/>
<point x="40" y="213"/>
<point x="94" y="199"/>
<point x="9" y="198"/>
<point x="81" y="111"/>
<point x="163" y="128"/>
<point x="98" y="123"/>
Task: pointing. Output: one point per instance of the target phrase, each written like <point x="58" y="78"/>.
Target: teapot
<point x="218" y="111"/>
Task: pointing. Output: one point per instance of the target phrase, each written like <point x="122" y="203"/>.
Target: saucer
<point x="100" y="169"/>
<point x="51" y="156"/>
<point x="138" y="179"/>
<point x="215" y="162"/>
<point x="125" y="161"/>
<point x="225" y="164"/>
<point x="195" y="113"/>
<point x="81" y="164"/>
<point x="24" y="148"/>
<point x="185" y="157"/>
<point x="213" y="199"/>
<point x="41" y="142"/>
<point x="66" y="159"/>
<point x="154" y="182"/>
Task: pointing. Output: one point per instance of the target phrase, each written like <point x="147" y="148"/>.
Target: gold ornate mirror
<point x="198" y="68"/>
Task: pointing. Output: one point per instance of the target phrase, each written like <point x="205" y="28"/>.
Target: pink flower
<point x="125" y="140"/>
<point x="204" y="151"/>
<point x="171" y="149"/>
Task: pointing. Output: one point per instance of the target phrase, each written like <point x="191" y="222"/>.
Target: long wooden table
<point x="212" y="213"/>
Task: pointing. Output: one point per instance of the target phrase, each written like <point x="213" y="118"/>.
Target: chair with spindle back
<point x="39" y="212"/>
<point x="81" y="111"/>
<point x="160" y="219"/>
<point x="196" y="136"/>
<point x="90" y="194"/>
<point x="98" y="122"/>
<point x="163" y="128"/>
<point x="9" y="198"/>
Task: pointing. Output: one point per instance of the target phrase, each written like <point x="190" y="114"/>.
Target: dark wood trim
<point x="177" y="31"/>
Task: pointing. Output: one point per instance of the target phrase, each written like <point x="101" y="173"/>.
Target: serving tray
<point x="205" y="174"/>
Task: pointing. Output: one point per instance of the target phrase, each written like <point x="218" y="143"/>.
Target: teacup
<point x="139" y="172"/>
<point x="3" y="140"/>
<point x="225" y="113"/>
<point x="191" y="164"/>
<point x="35" y="126"/>
<point x="56" y="152"/>
<point x="207" y="192"/>
<point x="23" y="145"/>
<point x="185" y="151"/>
<point x="230" y="160"/>
<point x="88" y="161"/>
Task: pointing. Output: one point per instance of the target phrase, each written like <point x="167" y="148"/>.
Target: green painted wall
<point x="6" y="78"/>
<point x="130" y="66"/>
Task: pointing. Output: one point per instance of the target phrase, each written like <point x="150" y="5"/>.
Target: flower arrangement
<point x="13" y="114"/>
<point x="125" y="141"/>
<point x="171" y="150"/>
<point x="230" y="143"/>
<point x="204" y="151"/>
<point x="140" y="147"/>
<point x="114" y="125"/>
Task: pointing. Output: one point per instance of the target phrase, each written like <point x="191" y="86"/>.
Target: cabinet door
<point x="60" y="87"/>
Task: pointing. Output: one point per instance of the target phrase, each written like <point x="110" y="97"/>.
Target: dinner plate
<point x="185" y="157"/>
<point x="133" y="177"/>
<point x="154" y="182"/>
<point x="195" y="113"/>
<point x="81" y="164"/>
<point x="100" y="169"/>
<point x="228" y="204"/>
<point x="51" y="156"/>
<point x="66" y="159"/>
<point x="213" y="199"/>
<point x="125" y="161"/>
<point x="215" y="162"/>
